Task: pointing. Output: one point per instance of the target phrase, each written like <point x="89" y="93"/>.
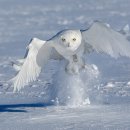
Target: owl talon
<point x="84" y="66"/>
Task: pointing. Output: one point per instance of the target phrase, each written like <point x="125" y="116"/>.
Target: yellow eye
<point x="63" y="39"/>
<point x="74" y="39"/>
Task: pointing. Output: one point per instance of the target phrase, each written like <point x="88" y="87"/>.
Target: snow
<point x="57" y="100"/>
<point x="91" y="117"/>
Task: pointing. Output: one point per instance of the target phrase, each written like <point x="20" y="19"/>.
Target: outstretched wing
<point x="37" y="55"/>
<point x="102" y="38"/>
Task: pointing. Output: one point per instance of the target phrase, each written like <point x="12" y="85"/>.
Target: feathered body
<point x="70" y="45"/>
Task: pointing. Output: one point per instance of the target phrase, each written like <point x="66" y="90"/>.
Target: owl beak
<point x="68" y="44"/>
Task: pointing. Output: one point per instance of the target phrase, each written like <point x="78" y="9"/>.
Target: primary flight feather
<point x="69" y="45"/>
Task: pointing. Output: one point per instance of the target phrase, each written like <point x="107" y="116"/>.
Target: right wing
<point x="37" y="55"/>
<point x="101" y="38"/>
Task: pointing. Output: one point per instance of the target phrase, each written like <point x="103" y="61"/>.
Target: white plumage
<point x="69" y="45"/>
<point x="104" y="39"/>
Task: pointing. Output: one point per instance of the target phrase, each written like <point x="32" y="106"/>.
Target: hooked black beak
<point x="68" y="44"/>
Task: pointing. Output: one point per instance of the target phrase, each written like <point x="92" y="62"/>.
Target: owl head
<point x="70" y="39"/>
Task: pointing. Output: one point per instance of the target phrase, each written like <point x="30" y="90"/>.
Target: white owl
<point x="69" y="45"/>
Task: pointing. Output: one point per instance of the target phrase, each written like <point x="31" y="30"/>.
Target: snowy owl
<point x="69" y="45"/>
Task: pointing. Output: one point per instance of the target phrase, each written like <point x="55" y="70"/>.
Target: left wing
<point x="101" y="38"/>
<point x="37" y="55"/>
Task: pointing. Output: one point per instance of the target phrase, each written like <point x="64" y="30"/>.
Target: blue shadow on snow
<point x="20" y="107"/>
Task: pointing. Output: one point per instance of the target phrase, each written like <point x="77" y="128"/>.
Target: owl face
<point x="70" y="39"/>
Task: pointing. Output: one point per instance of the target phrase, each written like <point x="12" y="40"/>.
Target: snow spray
<point x="73" y="90"/>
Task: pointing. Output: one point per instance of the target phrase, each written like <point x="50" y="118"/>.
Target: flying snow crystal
<point x="72" y="90"/>
<point x="70" y="46"/>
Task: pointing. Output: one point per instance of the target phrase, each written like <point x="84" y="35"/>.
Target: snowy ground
<point x="33" y="107"/>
